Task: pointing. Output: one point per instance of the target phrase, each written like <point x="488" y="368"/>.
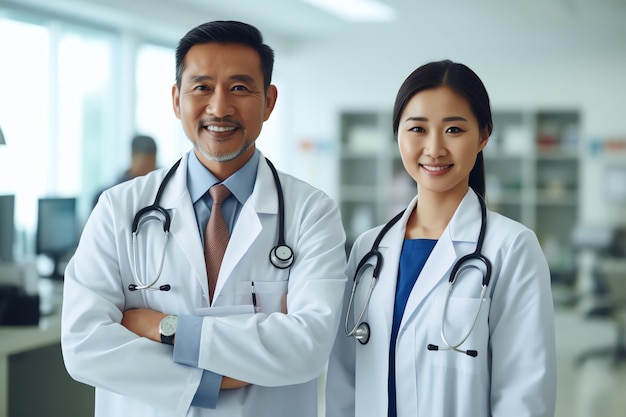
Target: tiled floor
<point x="597" y="387"/>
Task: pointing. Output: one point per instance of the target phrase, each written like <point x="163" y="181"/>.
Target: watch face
<point x="168" y="325"/>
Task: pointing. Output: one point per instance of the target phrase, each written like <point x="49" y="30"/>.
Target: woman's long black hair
<point x="464" y="82"/>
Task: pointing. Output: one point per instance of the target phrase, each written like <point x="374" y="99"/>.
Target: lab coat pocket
<point x="266" y="296"/>
<point x="459" y="324"/>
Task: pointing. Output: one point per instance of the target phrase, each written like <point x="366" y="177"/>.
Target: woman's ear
<point x="484" y="139"/>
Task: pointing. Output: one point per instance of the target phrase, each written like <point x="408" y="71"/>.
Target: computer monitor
<point x="7" y="227"/>
<point x="57" y="230"/>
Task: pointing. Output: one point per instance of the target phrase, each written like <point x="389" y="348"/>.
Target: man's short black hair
<point x="221" y="31"/>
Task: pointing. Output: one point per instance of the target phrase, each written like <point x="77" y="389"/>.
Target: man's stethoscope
<point x="281" y="255"/>
<point x="361" y="330"/>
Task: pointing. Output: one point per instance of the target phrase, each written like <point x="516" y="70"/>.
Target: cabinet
<point x="532" y="174"/>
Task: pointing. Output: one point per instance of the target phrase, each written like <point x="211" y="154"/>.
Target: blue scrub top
<point x="413" y="257"/>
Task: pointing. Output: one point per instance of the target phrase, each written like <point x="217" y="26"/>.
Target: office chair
<point x="605" y="271"/>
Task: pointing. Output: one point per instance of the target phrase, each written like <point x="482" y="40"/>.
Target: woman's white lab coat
<point x="281" y="355"/>
<point x="514" y="372"/>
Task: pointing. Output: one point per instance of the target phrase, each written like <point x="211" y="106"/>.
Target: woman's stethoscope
<point x="361" y="330"/>
<point x="281" y="255"/>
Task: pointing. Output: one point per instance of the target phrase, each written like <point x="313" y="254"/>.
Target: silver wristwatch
<point x="167" y="329"/>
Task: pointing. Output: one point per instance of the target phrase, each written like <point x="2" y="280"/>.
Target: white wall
<point x="532" y="55"/>
<point x="574" y="67"/>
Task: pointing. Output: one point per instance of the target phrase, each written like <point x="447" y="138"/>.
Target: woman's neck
<point x="432" y="214"/>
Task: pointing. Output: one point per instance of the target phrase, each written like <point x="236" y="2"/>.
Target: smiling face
<point x="439" y="140"/>
<point x="222" y="104"/>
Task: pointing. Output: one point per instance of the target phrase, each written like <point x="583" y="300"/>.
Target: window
<point x="24" y="116"/>
<point x="84" y="110"/>
<point x="57" y="113"/>
<point x="155" y="77"/>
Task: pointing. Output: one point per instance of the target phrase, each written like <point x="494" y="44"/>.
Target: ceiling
<point x="293" y="22"/>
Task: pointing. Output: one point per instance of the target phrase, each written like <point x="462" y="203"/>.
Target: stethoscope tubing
<point x="364" y="337"/>
<point x="281" y="255"/>
<point x="443" y="316"/>
<point x="167" y="220"/>
<point x="138" y="285"/>
<point x="361" y="329"/>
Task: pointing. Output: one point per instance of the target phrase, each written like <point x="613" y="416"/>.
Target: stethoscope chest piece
<point x="281" y="256"/>
<point x="362" y="333"/>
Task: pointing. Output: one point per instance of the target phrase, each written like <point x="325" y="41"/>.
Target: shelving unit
<point x="373" y="183"/>
<point x="532" y="169"/>
<point x="532" y="172"/>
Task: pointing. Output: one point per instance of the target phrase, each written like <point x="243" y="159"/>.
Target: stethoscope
<point x="361" y="330"/>
<point x="281" y="255"/>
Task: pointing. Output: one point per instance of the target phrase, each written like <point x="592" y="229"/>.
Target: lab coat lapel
<point x="463" y="227"/>
<point x="248" y="225"/>
<point x="184" y="228"/>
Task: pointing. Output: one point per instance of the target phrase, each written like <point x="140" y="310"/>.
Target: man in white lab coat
<point x="139" y="321"/>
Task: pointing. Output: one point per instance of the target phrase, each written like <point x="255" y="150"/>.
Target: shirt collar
<point x="240" y="184"/>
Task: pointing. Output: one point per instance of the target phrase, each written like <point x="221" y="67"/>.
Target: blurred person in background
<point x="143" y="159"/>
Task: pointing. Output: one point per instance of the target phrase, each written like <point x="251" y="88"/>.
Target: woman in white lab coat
<point x="412" y="364"/>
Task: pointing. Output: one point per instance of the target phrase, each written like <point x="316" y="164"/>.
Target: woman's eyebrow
<point x="454" y="119"/>
<point x="445" y="119"/>
<point x="416" y="119"/>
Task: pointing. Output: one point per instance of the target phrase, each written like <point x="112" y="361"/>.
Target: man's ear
<point x="176" y="100"/>
<point x="270" y="101"/>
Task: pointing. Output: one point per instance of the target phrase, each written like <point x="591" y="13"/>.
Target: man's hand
<point x="143" y="322"/>
<point x="231" y="383"/>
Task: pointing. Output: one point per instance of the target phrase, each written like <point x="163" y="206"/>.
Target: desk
<point x="32" y="374"/>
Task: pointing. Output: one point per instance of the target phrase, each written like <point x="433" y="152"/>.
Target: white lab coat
<point x="281" y="355"/>
<point x="514" y="373"/>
